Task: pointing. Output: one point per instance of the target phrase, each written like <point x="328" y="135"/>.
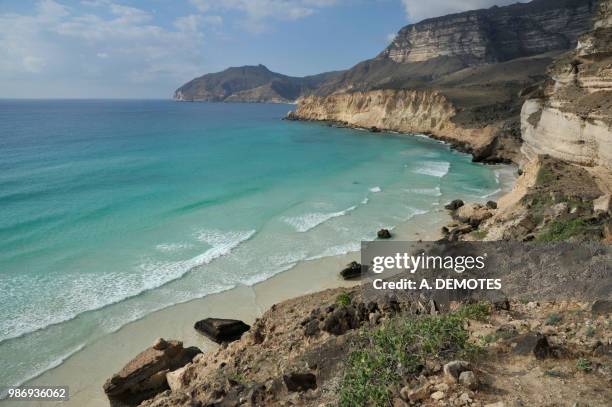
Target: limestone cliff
<point x="572" y="117"/>
<point x="495" y="34"/>
<point x="409" y="111"/>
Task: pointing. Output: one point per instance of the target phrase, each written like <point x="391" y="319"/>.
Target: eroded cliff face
<point x="409" y="111"/>
<point x="495" y="34"/>
<point x="572" y="118"/>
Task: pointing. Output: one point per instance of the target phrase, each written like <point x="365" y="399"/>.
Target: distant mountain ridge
<point x="419" y="55"/>
<point x="249" y="84"/>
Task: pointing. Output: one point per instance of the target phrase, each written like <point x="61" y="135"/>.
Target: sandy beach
<point x="86" y="371"/>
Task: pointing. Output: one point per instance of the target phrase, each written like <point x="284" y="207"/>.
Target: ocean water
<point x="110" y="210"/>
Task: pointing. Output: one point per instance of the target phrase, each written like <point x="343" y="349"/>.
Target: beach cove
<point x="399" y="182"/>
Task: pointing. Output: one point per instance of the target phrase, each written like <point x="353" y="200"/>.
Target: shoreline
<point x="110" y="352"/>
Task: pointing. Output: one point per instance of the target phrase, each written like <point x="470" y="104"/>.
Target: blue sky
<point x="147" y="48"/>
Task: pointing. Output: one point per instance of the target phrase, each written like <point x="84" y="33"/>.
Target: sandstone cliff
<point x="572" y="117"/>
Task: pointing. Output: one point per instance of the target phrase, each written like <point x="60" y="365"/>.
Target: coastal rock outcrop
<point x="221" y="330"/>
<point x="410" y="111"/>
<point x="351" y="271"/>
<point x="384" y="234"/>
<point x="145" y="375"/>
<point x="572" y="117"/>
<point x="249" y="84"/>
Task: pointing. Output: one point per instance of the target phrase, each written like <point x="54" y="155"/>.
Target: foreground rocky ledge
<point x="308" y="351"/>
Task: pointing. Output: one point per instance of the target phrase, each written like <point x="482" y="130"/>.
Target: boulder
<point x="473" y="214"/>
<point x="601" y="307"/>
<point x="452" y="370"/>
<point x="221" y="330"/>
<point x="455" y="232"/>
<point x="374" y="129"/>
<point x="176" y="380"/>
<point x="417" y="394"/>
<point x="468" y="380"/>
<point x="298" y="382"/>
<point x="312" y="328"/>
<point x="492" y="205"/>
<point x="438" y="395"/>
<point x="145" y="375"/>
<point x="341" y="320"/>
<point x="351" y="271"/>
<point x="384" y="234"/>
<point x="533" y="343"/>
<point x="454" y="205"/>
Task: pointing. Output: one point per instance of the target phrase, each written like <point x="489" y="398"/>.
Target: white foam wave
<point x="434" y="168"/>
<point x="412" y="212"/>
<point x="173" y="247"/>
<point x="160" y="273"/>
<point x="308" y="221"/>
<point x="497" y="191"/>
<point x="375" y="189"/>
<point x="338" y="250"/>
<point x="113" y="287"/>
<point x="365" y="201"/>
<point x="436" y="192"/>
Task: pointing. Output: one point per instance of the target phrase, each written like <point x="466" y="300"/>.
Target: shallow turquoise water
<point x="112" y="209"/>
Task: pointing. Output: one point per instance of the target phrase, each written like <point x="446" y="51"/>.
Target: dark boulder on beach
<point x="384" y="234"/>
<point x="492" y="205"/>
<point x="454" y="205"/>
<point x="374" y="129"/>
<point x="145" y="376"/>
<point x="221" y="330"/>
<point x="351" y="271"/>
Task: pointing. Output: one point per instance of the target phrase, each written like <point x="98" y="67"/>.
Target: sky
<point x="148" y="48"/>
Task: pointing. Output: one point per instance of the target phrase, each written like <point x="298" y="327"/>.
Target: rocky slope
<point x="571" y="118"/>
<point x="310" y="351"/>
<point x="249" y="84"/>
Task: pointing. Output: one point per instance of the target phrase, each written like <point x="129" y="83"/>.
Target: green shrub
<point x="553" y="319"/>
<point x="584" y="365"/>
<point x="400" y="348"/>
<point x="563" y="230"/>
<point x="343" y="299"/>
<point x="545" y="176"/>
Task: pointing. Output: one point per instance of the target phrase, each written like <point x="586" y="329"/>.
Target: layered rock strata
<point x="571" y="119"/>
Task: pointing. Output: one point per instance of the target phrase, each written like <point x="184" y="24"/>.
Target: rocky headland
<point x="249" y="84"/>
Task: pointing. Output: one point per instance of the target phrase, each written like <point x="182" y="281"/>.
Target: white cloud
<point x="258" y="11"/>
<point x="118" y="45"/>
<point x="417" y="10"/>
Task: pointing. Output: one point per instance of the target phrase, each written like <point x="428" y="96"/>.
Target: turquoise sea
<point x="110" y="210"/>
